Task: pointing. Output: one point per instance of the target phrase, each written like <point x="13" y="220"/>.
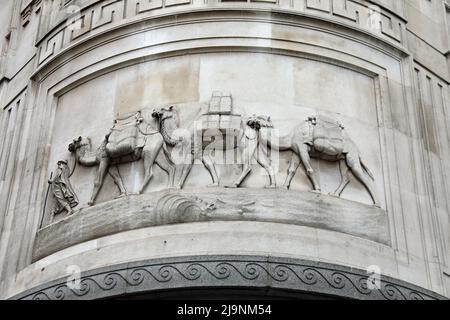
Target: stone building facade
<point x="157" y="148"/>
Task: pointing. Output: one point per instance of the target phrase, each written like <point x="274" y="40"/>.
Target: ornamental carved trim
<point x="78" y="22"/>
<point x="229" y="271"/>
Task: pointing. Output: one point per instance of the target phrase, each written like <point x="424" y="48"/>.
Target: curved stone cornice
<point x="101" y="16"/>
<point x="152" y="209"/>
<point x="228" y="272"/>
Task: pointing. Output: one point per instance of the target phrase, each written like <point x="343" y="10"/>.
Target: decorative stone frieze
<point x="174" y="144"/>
<point x="99" y="16"/>
<point x="229" y="271"/>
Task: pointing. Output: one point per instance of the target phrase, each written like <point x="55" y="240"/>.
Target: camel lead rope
<point x="74" y="166"/>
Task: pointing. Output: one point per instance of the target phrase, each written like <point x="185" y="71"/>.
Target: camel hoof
<point x="334" y="194"/>
<point x="377" y="205"/>
<point x="213" y="185"/>
<point x="316" y="191"/>
<point x="271" y="186"/>
<point x="90" y="203"/>
<point x="231" y="186"/>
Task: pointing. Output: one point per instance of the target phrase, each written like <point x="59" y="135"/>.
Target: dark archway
<point x="228" y="294"/>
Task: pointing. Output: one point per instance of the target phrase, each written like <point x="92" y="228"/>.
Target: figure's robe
<point x="63" y="191"/>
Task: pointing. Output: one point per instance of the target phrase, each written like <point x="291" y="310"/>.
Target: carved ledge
<point x="214" y="204"/>
<point x="230" y="272"/>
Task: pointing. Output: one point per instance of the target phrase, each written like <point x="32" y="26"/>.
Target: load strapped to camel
<point x="327" y="135"/>
<point x="219" y="124"/>
<point x="123" y="137"/>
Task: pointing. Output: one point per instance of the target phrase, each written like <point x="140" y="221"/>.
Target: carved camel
<point x="304" y="148"/>
<point x="249" y="143"/>
<point x="151" y="152"/>
<point x="185" y="147"/>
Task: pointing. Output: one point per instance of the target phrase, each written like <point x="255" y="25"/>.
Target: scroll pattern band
<point x="230" y="271"/>
<point x="103" y="15"/>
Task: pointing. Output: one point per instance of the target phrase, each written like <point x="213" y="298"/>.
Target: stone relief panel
<point x="297" y="96"/>
<point x="74" y="20"/>
<point x="244" y="122"/>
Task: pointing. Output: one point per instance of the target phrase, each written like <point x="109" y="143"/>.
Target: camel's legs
<point x="344" y="178"/>
<point x="102" y="170"/>
<point x="209" y="165"/>
<point x="164" y="163"/>
<point x="188" y="163"/>
<point x="293" y="166"/>
<point x="265" y="163"/>
<point x="186" y="169"/>
<point x="114" y="173"/>
<point x="355" y="166"/>
<point x="247" y="156"/>
<point x="245" y="172"/>
<point x="189" y="160"/>
<point x="149" y="155"/>
<point x="303" y="150"/>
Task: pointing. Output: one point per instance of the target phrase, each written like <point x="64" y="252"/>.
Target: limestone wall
<point x="381" y="69"/>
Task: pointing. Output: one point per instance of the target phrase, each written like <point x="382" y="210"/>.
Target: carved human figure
<point x="249" y="142"/>
<point x="185" y="146"/>
<point x="323" y="138"/>
<point x="130" y="139"/>
<point x="65" y="197"/>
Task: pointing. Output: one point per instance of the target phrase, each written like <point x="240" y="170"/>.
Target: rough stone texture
<point x="379" y="67"/>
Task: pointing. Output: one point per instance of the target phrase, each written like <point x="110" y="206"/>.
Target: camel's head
<point x="164" y="113"/>
<point x="257" y="122"/>
<point x="78" y="143"/>
<point x="253" y="123"/>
